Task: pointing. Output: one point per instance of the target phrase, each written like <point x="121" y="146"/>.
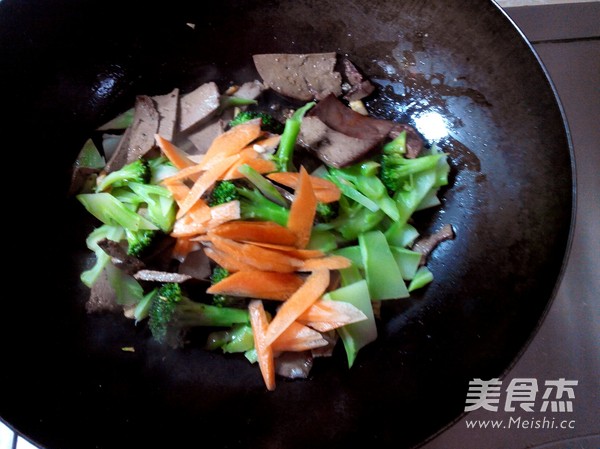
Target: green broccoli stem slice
<point x="189" y="313"/>
<point x="285" y="151"/>
<point x="254" y="205"/>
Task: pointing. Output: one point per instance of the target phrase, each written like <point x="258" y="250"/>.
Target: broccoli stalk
<point x="396" y="170"/>
<point x="360" y="182"/>
<point x="253" y="204"/>
<point x="285" y="151"/>
<point x="136" y="171"/>
<point x="111" y="211"/>
<point x="115" y="233"/>
<point x="172" y="314"/>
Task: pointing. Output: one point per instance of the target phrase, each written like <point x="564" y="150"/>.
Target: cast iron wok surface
<point x="69" y="66"/>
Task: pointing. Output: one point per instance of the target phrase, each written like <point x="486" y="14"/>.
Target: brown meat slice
<point x="197" y="105"/>
<point x="426" y="245"/>
<point x="301" y="76"/>
<point x="340" y="117"/>
<point x="168" y="110"/>
<point x="143" y="128"/>
<point x="332" y="147"/>
<point x="359" y="86"/>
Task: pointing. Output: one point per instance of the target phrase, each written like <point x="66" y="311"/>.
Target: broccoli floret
<point x="172" y="314"/>
<point x="138" y="242"/>
<point x="396" y="169"/>
<point x="136" y="171"/>
<point x="268" y="122"/>
<point x="218" y="274"/>
<point x="285" y="151"/>
<point x="253" y="204"/>
<point x="326" y="211"/>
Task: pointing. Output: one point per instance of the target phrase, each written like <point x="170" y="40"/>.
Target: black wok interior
<point x="70" y="66"/>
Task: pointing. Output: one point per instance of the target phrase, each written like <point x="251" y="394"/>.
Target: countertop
<point x="566" y="347"/>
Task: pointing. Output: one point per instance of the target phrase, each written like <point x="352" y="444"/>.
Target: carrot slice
<point x="325" y="315"/>
<point x="325" y="263"/>
<point x="258" y="284"/>
<point x="204" y="182"/>
<point x="256" y="231"/>
<point x="194" y="222"/>
<point x="259" y="164"/>
<point x="264" y="351"/>
<point x="177" y="157"/>
<point x="313" y="288"/>
<point x="230" y="142"/>
<point x="255" y="256"/>
<point x="292" y="251"/>
<point x="298" y="337"/>
<point x="226" y="260"/>
<point x="178" y="190"/>
<point x="224" y="213"/>
<point x="303" y="210"/>
<point x="325" y="190"/>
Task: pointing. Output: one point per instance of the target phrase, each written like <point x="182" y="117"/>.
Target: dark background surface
<point x="567" y="344"/>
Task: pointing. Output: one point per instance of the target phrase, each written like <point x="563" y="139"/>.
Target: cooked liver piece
<point x="301" y="76"/>
<point x="332" y="147"/>
<point x="168" y="107"/>
<point x="340" y="117"/>
<point x="143" y="128"/>
<point x="197" y="105"/>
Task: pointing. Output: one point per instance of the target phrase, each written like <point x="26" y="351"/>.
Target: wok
<point x="460" y="71"/>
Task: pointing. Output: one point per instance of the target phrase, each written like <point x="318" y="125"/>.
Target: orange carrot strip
<point x="179" y="191"/>
<point x="325" y="263"/>
<point x="224" y="213"/>
<point x="226" y="260"/>
<point x="259" y="164"/>
<point x="204" y="182"/>
<point x="303" y="210"/>
<point x="258" y="284"/>
<point x="298" y="337"/>
<point x="194" y="222"/>
<point x="313" y="288"/>
<point x="260" y="258"/>
<point x="192" y="172"/>
<point x="177" y="157"/>
<point x="256" y="231"/>
<point x="325" y="190"/>
<point x="326" y="315"/>
<point x="293" y="251"/>
<point x="230" y="142"/>
<point x="264" y="351"/>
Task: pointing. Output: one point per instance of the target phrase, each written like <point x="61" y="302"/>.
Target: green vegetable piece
<point x="138" y="242"/>
<point x="397" y="145"/>
<point x="114" y="233"/>
<point x="109" y="210"/>
<point x="237" y="339"/>
<point x="265" y="186"/>
<point x="89" y="156"/>
<point x="142" y="309"/>
<point x="136" y="171"/>
<point x="253" y="204"/>
<point x="218" y="274"/>
<point x="356" y="336"/>
<point x="401" y="234"/>
<point x="322" y="240"/>
<point x="408" y="200"/>
<point x="422" y="277"/>
<point x="121" y="121"/>
<point x="396" y="169"/>
<point x="383" y="276"/>
<point x="172" y="314"/>
<point x="128" y="291"/>
<point x="268" y="122"/>
<point x="283" y="155"/>
<point x="408" y="261"/>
